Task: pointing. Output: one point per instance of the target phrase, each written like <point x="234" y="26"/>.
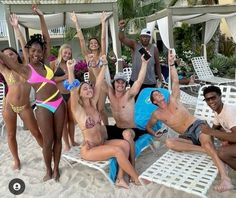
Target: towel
<point x="140" y="143"/>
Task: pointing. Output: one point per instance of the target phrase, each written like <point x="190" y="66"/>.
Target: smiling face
<point x="157" y="98"/>
<point x="85" y="91"/>
<point x="66" y="54"/>
<point x="11" y="54"/>
<point x="213" y="100"/>
<point x="93" y="44"/>
<point x="35" y="53"/>
<point x="119" y="85"/>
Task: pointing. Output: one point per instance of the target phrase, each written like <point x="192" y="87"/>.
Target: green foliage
<point x="54" y="50"/>
<point x="219" y="64"/>
<point x="227" y="46"/>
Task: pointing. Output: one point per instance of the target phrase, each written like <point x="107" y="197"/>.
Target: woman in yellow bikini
<point x="94" y="52"/>
<point x="17" y="100"/>
<point x="50" y="112"/>
<point x="95" y="147"/>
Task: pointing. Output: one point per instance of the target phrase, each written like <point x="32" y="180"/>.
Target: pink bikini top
<point x="35" y="77"/>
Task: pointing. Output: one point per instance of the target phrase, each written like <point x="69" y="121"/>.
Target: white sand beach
<point x="80" y="181"/>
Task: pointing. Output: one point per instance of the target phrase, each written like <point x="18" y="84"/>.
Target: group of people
<point x="60" y="97"/>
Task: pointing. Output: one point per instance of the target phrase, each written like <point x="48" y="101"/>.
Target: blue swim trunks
<point x="193" y="132"/>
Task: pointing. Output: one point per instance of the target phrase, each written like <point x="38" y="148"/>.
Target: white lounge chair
<point x="2" y="95"/>
<point x="205" y="74"/>
<point x="189" y="171"/>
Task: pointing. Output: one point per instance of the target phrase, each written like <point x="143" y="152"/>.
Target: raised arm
<point x="174" y="76"/>
<point x="74" y="92"/>
<point x="21" y="69"/>
<point x="80" y="35"/>
<point x="44" y="30"/>
<point x="133" y="91"/>
<point x="128" y="42"/>
<point x="100" y="79"/>
<point x="14" y="22"/>
<point x="103" y="33"/>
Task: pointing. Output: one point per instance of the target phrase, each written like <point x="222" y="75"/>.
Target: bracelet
<point x="69" y="86"/>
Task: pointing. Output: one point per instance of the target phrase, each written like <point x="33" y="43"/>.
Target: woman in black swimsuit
<point x="61" y="74"/>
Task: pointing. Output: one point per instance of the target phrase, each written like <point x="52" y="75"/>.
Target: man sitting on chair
<point x="224" y="125"/>
<point x="178" y="118"/>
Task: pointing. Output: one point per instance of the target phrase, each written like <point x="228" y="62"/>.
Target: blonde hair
<point x="64" y="46"/>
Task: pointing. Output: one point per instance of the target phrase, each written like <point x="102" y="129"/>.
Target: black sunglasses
<point x="210" y="98"/>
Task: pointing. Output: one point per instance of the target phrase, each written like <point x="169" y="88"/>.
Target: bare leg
<point x="180" y="144"/>
<point x="101" y="107"/>
<point x="106" y="151"/>
<point x="58" y="117"/>
<point x="10" y="121"/>
<point x="45" y="116"/>
<point x="30" y="122"/>
<point x="128" y="135"/>
<point x="228" y="155"/>
<point x="225" y="183"/>
<point x="71" y="125"/>
<point x="65" y="132"/>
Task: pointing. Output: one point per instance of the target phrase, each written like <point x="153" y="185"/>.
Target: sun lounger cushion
<point x="144" y="108"/>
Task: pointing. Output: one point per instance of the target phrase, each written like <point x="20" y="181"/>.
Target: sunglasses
<point x="210" y="98"/>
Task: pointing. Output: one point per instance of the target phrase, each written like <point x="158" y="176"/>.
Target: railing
<point x="53" y="32"/>
<point x="3" y="28"/>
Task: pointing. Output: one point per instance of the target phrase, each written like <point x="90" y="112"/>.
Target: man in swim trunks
<point x="122" y="107"/>
<point x="178" y="118"/>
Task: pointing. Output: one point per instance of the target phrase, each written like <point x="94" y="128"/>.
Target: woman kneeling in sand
<point x="95" y="146"/>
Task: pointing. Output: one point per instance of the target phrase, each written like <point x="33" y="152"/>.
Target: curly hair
<point x="212" y="88"/>
<point x="36" y="38"/>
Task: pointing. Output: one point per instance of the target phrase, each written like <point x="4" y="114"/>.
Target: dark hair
<point x="113" y="84"/>
<point x="94" y="38"/>
<point x="152" y="98"/>
<point x="212" y="88"/>
<point x="12" y="49"/>
<point x="36" y="38"/>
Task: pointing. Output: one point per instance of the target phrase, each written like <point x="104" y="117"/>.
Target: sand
<point x="79" y="181"/>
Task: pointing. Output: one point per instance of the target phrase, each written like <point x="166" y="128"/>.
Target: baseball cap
<point x="120" y="76"/>
<point x="146" y="32"/>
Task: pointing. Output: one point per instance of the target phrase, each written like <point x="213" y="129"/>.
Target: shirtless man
<point x="177" y="117"/>
<point x="224" y="125"/>
<point x="122" y="107"/>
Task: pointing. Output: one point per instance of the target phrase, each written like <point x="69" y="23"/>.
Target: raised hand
<point x="13" y="19"/>
<point x="71" y="64"/>
<point x="103" y="17"/>
<point x="104" y="59"/>
<point x="36" y="10"/>
<point x="73" y="17"/>
<point x="144" y="60"/>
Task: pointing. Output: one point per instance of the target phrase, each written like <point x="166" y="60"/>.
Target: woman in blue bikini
<point x="50" y="104"/>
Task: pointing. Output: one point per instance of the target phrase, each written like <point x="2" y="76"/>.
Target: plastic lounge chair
<point x="2" y="95"/>
<point x="189" y="171"/>
<point x="72" y="157"/>
<point x="205" y="74"/>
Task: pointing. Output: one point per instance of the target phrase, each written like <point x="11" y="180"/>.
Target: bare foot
<point x="224" y="185"/>
<point x="47" y="176"/>
<point x="56" y="175"/>
<point x="16" y="165"/>
<point x="75" y="144"/>
<point x="121" y="183"/>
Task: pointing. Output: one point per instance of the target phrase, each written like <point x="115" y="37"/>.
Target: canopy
<point x="166" y="19"/>
<point x="57" y="15"/>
